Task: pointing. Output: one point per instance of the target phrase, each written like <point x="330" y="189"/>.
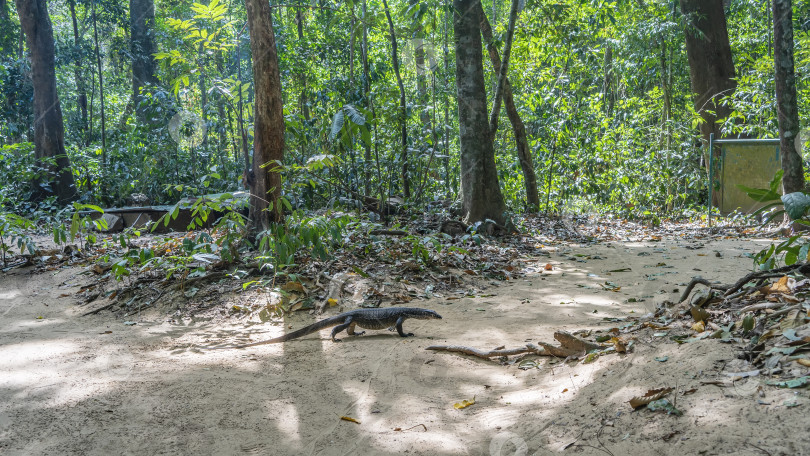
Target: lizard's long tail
<point x="323" y="324"/>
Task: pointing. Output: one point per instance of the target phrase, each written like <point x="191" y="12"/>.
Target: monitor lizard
<point x="389" y="317"/>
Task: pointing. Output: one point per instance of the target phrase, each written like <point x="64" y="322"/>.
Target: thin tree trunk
<point x="303" y="103"/>
<point x="786" y="101"/>
<point x="481" y="194"/>
<point x="607" y="90"/>
<point x="351" y="50"/>
<point x="507" y="51"/>
<point x="521" y="139"/>
<point x="268" y="137"/>
<point x="81" y="92"/>
<point x="240" y="118"/>
<point x="366" y="94"/>
<point x="406" y="185"/>
<point x="666" y="126"/>
<point x="222" y="130"/>
<point x="101" y="99"/>
<point x="446" y="130"/>
<point x="49" y="129"/>
<point x="203" y="96"/>
<point x="419" y="55"/>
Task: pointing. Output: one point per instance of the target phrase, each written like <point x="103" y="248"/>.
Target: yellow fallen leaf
<point x="348" y="418"/>
<point x="781" y="286"/>
<point x="620" y="344"/>
<point x="332" y="301"/>
<point x="464" y="404"/>
<point x="804" y="362"/>
<point x="699" y="327"/>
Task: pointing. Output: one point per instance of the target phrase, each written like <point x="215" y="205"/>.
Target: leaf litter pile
<point x="421" y="257"/>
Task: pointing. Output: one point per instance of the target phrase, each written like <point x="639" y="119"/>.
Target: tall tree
<point x="81" y="92"/>
<point x="786" y="103"/>
<point x="711" y="69"/>
<point x="521" y="140"/>
<point x="403" y="110"/>
<point x="481" y="196"/>
<point x="49" y="130"/>
<point x="268" y="129"/>
<point x="142" y="23"/>
<point x="101" y="98"/>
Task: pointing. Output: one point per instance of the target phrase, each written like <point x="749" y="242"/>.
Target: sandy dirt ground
<point x="95" y="385"/>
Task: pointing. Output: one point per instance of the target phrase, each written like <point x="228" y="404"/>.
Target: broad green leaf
<point x="796" y="204"/>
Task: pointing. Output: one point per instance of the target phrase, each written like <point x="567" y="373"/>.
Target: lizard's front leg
<point x="399" y="328"/>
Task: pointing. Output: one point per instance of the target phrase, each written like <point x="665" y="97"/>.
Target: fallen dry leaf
<point x="620" y="344"/>
<point x="348" y="418"/>
<point x="464" y="404"/>
<point x="294" y="286"/>
<point x="652" y="395"/>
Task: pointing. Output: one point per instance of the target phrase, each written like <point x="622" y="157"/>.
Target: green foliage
<point x="82" y="225"/>
<point x="796" y="206"/>
<point x="13" y="231"/>
<point x="769" y="196"/>
<point x="789" y="252"/>
<point x="317" y="236"/>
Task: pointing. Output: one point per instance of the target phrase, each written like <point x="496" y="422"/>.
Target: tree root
<point x="571" y="347"/>
<point x="529" y="348"/>
<point x="769" y="274"/>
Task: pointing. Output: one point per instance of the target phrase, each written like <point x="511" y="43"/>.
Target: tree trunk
<point x="521" y="140"/>
<point x="81" y="92"/>
<point x="49" y="130"/>
<point x="240" y="118"/>
<point x="446" y="129"/>
<point x="303" y="103"/>
<point x="268" y="129"/>
<point x="711" y="69"/>
<point x="786" y="102"/>
<point x="142" y="22"/>
<point x="101" y="99"/>
<point x="608" y="99"/>
<point x="366" y="90"/>
<point x="480" y="193"/>
<point x="406" y="183"/>
<point x="419" y="55"/>
<point x="203" y="95"/>
<point x="222" y="131"/>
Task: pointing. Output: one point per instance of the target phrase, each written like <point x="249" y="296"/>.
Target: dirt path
<point x="93" y="385"/>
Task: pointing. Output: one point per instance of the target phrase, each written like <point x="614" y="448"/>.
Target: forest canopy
<point x="158" y="98"/>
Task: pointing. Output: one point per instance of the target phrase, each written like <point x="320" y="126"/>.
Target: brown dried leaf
<point x="652" y="395"/>
<point x="294" y="286"/>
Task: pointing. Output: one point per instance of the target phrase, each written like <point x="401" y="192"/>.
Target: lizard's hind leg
<point x="350" y="330"/>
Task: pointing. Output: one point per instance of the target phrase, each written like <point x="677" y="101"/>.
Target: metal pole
<point x="711" y="179"/>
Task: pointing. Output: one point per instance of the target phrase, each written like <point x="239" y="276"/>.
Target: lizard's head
<point x="425" y="314"/>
